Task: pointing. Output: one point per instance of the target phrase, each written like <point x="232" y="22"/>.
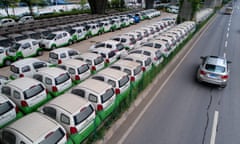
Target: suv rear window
<point x="215" y="68"/>
<point x="33" y="91"/>
<point x="84" y="114"/>
<point x="107" y="95"/>
<point x="123" y="81"/>
<point x="62" y="78"/>
<point x="53" y="137"/>
<point x="5" y="107"/>
<point x="53" y="55"/>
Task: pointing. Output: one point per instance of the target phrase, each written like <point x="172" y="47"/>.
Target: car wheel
<point x="39" y="53"/>
<point x="7" y="62"/>
<point x="54" y="47"/>
<point x="70" y="42"/>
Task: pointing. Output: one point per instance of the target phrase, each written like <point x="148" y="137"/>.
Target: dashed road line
<point x="214" y="127"/>
<point x="227" y="35"/>
<point x="226" y="44"/>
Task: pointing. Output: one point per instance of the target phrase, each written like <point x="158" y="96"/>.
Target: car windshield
<point x="83" y="115"/>
<point x="14" y="69"/>
<point x="35" y="36"/>
<point x="53" y="137"/>
<point x="215" y="68"/>
<point x="18" y="38"/>
<point x="51" y="36"/>
<point x="98" y="60"/>
<point x="120" y="47"/>
<point x="62" y="78"/>
<point x="72" y="31"/>
<point x="15" y="47"/>
<point x="148" y="62"/>
<point x="33" y="91"/>
<point x="107" y="95"/>
<point x="5" y="107"/>
<point x="123" y="81"/>
<point x="53" y="55"/>
<point x="111" y="54"/>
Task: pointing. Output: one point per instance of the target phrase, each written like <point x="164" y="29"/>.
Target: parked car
<point x="56" y="80"/>
<point x="26" y="67"/>
<point x="33" y="35"/>
<point x="214" y="70"/>
<point x="78" y="33"/>
<point x="26" y="19"/>
<point x="133" y="69"/>
<point x="143" y="60"/>
<point x="56" y="56"/>
<point x="108" y="55"/>
<point x="128" y="41"/>
<point x="95" y="61"/>
<point x="8" y="111"/>
<point x="155" y="54"/>
<point x="118" y="79"/>
<point x="99" y="93"/>
<point x="3" y="80"/>
<point x="17" y="37"/>
<point x="77" y="115"/>
<point x="34" y="128"/>
<point x="56" y="39"/>
<point x="78" y="70"/>
<point x="24" y="48"/>
<point x="7" y="22"/>
<point x="27" y="93"/>
<point x="5" y="42"/>
<point x="113" y="45"/>
<point x="5" y="60"/>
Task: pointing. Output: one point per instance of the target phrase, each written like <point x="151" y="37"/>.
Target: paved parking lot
<point x="84" y="45"/>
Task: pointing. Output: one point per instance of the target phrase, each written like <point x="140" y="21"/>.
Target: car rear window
<point x="33" y="91"/>
<point x="5" y="107"/>
<point x="123" y="81"/>
<point x="62" y="78"/>
<point x="98" y="60"/>
<point x="147" y="62"/>
<point x="215" y="68"/>
<point x="83" y="69"/>
<point x="111" y="54"/>
<point x="84" y="114"/>
<point x="53" y="137"/>
<point x="53" y="55"/>
<point x="137" y="70"/>
<point x="14" y="69"/>
<point x="107" y="95"/>
<point x="158" y="54"/>
<point x="120" y="47"/>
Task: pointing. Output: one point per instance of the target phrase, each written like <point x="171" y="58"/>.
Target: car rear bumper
<point x="212" y="80"/>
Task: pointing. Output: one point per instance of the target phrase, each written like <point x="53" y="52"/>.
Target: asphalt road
<point x="186" y="112"/>
<point x="83" y="46"/>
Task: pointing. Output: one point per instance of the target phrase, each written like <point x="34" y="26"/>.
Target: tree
<point x="98" y="6"/>
<point x="30" y="4"/>
<point x="188" y="9"/>
<point x="6" y="4"/>
<point x="149" y="4"/>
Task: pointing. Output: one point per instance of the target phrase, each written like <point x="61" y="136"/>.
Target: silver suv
<point x="214" y="70"/>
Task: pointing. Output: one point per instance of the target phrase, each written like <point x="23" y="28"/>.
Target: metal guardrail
<point x="43" y="23"/>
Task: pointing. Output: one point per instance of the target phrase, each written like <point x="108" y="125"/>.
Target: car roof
<point x="102" y="50"/>
<point x="89" y="55"/>
<point x="137" y="56"/>
<point x="51" y="71"/>
<point x="59" y="32"/>
<point x="157" y="41"/>
<point x="26" y="61"/>
<point x="215" y="60"/>
<point x="111" y="42"/>
<point x="94" y="85"/>
<point x="74" y="103"/>
<point x="73" y="62"/>
<point x="3" y="98"/>
<point x="23" y="83"/>
<point x="112" y="73"/>
<point x="64" y="49"/>
<point x="145" y="48"/>
<point x="126" y="63"/>
<point x="34" y="126"/>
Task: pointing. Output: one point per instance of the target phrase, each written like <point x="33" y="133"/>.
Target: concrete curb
<point x="158" y="80"/>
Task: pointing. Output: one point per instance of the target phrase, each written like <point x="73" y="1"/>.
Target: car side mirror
<point x="229" y="62"/>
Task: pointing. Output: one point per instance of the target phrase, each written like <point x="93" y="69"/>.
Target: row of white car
<point x="69" y="109"/>
<point x="32" y="43"/>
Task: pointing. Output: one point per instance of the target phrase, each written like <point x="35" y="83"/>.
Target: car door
<point x="65" y="38"/>
<point x="94" y="30"/>
<point x="35" y="46"/>
<point x="27" y="49"/>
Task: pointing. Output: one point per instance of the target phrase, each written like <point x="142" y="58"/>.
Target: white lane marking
<point x="227" y="35"/>
<point x="229" y="24"/>
<point x="121" y="141"/>
<point x="228" y="29"/>
<point x="214" y="127"/>
<point x="226" y="43"/>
